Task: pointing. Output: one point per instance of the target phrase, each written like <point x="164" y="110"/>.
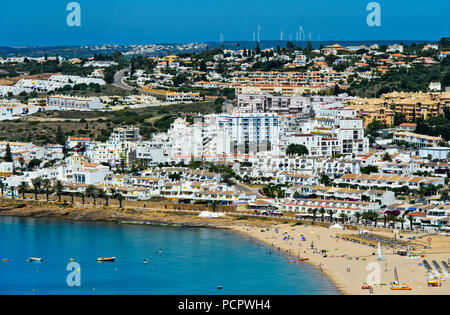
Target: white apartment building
<point x="40" y="86"/>
<point x="268" y="103"/>
<point x="257" y="130"/>
<point x="125" y="134"/>
<point x="392" y="181"/>
<point x="113" y="154"/>
<point x="417" y="139"/>
<point x="73" y="80"/>
<point x="65" y="102"/>
<point x="197" y="140"/>
<point x="437" y="153"/>
<point x="86" y="173"/>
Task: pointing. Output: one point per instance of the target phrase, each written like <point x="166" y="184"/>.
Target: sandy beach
<point x="350" y="275"/>
<point x="345" y="265"/>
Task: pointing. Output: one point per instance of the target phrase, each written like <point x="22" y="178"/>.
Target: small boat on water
<point x="35" y="259"/>
<point x="219" y="287"/>
<point x="303" y="259"/>
<point x="4" y="259"/>
<point x="106" y="259"/>
<point x="291" y="261"/>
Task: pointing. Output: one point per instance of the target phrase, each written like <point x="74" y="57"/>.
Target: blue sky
<point x="40" y="23"/>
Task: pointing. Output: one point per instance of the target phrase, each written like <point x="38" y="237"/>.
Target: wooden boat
<point x="35" y="259"/>
<point x="303" y="259"/>
<point x="4" y="259"/>
<point x="291" y="261"/>
<point x="106" y="259"/>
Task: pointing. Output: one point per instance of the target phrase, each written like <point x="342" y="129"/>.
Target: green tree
<point x="297" y="149"/>
<point x="58" y="188"/>
<point x="325" y="180"/>
<point x="91" y="192"/>
<point x="37" y="184"/>
<point x="22" y="189"/>
<point x="387" y="157"/>
<point x="46" y="184"/>
<point x="369" y="169"/>
<point x="358" y="216"/>
<point x="12" y="190"/>
<point x="8" y="155"/>
<point x="314" y="213"/>
<point x="331" y="213"/>
<point x="322" y="213"/>
<point x="60" y="136"/>
<point x="411" y="220"/>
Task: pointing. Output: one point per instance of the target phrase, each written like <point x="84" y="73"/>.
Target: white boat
<point x="35" y="259"/>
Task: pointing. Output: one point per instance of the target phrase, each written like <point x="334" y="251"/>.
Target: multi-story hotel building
<point x="279" y="89"/>
<point x="263" y="103"/>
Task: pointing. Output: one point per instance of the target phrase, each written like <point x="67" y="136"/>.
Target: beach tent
<point x="337" y="226"/>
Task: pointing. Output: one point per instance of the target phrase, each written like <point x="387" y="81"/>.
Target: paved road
<point x="246" y="188"/>
<point x="119" y="82"/>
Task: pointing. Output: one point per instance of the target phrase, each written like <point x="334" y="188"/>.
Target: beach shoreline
<point x="335" y="267"/>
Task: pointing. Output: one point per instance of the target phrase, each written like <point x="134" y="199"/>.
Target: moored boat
<point x="106" y="259"/>
<point x="35" y="259"/>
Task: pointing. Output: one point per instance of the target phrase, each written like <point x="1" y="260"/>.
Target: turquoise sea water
<point x="192" y="261"/>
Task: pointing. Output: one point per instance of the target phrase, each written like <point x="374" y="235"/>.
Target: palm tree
<point x="366" y="217"/>
<point x="411" y="220"/>
<point x="23" y="188"/>
<point x="59" y="188"/>
<point x="82" y="195"/>
<point x="106" y="197"/>
<point x="444" y="196"/>
<point x="385" y="219"/>
<point x="118" y="195"/>
<point x="392" y="218"/>
<point x="2" y="187"/>
<point x="47" y="185"/>
<point x="314" y="213"/>
<point x="322" y="213"/>
<point x="213" y="205"/>
<point x="91" y="192"/>
<point x="12" y="189"/>
<point x="343" y="217"/>
<point x="37" y="183"/>
<point x="375" y="217"/>
<point x="358" y="216"/>
<point x="331" y="213"/>
<point x="401" y="221"/>
<point x="22" y="163"/>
